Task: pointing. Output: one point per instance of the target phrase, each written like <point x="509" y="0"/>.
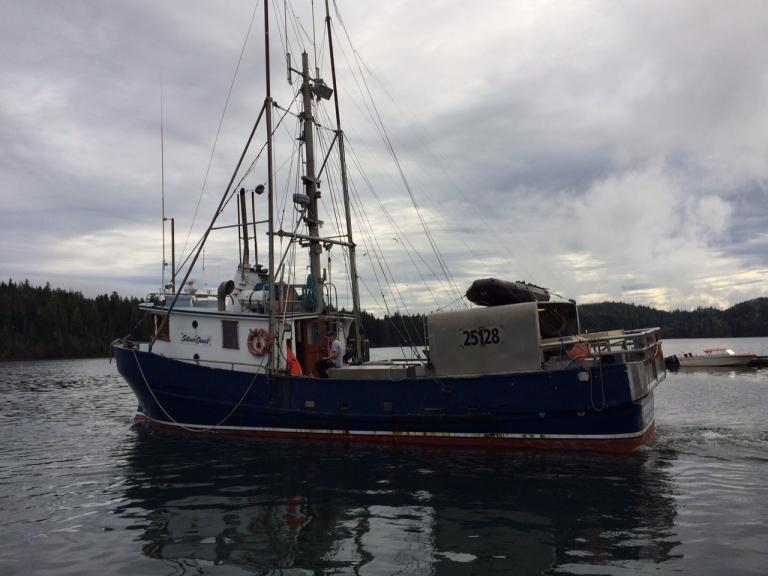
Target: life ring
<point x="258" y="342"/>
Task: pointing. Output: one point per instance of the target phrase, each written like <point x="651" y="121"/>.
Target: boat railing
<point x="608" y="347"/>
<point x="163" y="298"/>
<point x="246" y="366"/>
<point x="331" y="295"/>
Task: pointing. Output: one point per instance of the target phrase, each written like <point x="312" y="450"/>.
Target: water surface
<point x="82" y="491"/>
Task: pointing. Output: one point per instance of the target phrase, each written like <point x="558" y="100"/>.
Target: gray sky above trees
<point x="607" y="150"/>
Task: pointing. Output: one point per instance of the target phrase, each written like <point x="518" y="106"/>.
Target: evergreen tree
<point x="44" y="322"/>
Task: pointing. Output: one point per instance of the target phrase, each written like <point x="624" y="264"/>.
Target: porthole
<point x="194" y="323"/>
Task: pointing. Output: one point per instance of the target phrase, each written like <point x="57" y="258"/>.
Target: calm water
<point x="82" y="492"/>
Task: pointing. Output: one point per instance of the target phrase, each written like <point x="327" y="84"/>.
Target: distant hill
<point x="748" y="318"/>
<point x="39" y="322"/>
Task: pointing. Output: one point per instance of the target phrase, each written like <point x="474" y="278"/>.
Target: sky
<point x="605" y="150"/>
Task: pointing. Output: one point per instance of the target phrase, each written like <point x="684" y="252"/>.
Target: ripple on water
<point x="82" y="490"/>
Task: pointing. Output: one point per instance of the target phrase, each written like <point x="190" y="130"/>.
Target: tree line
<point x="748" y="318"/>
<point x="745" y="319"/>
<point x="39" y="322"/>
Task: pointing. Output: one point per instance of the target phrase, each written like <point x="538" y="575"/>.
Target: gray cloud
<point x="605" y="150"/>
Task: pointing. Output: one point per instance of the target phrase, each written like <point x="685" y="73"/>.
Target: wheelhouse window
<point x="229" y="335"/>
<point x="164" y="332"/>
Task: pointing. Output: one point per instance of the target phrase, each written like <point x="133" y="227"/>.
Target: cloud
<point x="593" y="147"/>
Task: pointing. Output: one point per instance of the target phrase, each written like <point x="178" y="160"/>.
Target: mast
<point x="310" y="184"/>
<point x="345" y="191"/>
<point x="270" y="197"/>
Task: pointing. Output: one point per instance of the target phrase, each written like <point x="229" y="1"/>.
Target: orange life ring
<point x="258" y="342"/>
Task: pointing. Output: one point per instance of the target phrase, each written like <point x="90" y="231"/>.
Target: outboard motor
<point x="672" y="363"/>
<point x="225" y="289"/>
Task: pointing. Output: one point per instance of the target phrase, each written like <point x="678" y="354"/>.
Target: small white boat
<point x="717" y="357"/>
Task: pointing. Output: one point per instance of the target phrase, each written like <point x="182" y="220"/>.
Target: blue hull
<point x="550" y="409"/>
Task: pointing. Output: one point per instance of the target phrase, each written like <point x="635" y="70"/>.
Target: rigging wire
<point x="334" y="193"/>
<point x="234" y="190"/>
<point x="334" y="211"/>
<point x="295" y="155"/>
<point x="435" y="276"/>
<point x="298" y="28"/>
<point x="374" y="250"/>
<point x="208" y="230"/>
<point x="386" y="270"/>
<point x="314" y="36"/>
<point x="401" y="236"/>
<point x="384" y="135"/>
<point x="440" y="162"/>
<point x="283" y="29"/>
<point x="404" y="239"/>
<point x="218" y="130"/>
<point x="264" y="146"/>
<point x="367" y="234"/>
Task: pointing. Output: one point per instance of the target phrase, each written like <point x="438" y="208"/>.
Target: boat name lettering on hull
<point x="481" y="336"/>
<point x="195" y="339"/>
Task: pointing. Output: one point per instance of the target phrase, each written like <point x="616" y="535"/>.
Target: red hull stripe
<point x="607" y="443"/>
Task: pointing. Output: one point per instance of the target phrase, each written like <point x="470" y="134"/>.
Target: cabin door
<point x="311" y="345"/>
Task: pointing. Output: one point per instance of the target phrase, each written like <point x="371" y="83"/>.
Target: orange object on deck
<point x="293" y="363"/>
<point x="579" y="351"/>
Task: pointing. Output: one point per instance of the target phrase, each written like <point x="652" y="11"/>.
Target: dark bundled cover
<point x="494" y="292"/>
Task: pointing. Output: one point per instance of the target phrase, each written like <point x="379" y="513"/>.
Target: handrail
<point x="333" y="298"/>
<point x="636" y="342"/>
<point x="137" y="346"/>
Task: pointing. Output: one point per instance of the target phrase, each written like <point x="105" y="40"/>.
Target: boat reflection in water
<point x="296" y="506"/>
<point x="720" y="372"/>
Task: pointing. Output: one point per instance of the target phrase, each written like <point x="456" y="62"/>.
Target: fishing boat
<point x="267" y="356"/>
<point x="717" y="357"/>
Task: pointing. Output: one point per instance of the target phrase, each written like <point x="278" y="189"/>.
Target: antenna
<point x="162" y="190"/>
<point x="173" y="255"/>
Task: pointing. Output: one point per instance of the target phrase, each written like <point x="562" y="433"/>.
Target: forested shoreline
<point x="41" y="322"/>
<point x="745" y="319"/>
